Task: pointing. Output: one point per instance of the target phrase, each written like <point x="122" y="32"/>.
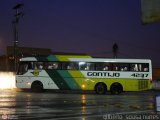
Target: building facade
<point x="7" y="62"/>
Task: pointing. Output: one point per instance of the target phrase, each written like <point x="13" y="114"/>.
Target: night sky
<point x="82" y="26"/>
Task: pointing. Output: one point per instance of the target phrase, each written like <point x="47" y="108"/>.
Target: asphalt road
<point x="73" y="106"/>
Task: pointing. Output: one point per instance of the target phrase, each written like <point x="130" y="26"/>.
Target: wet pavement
<point x="72" y="106"/>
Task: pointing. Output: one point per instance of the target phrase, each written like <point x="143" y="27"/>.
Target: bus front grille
<point x="142" y="84"/>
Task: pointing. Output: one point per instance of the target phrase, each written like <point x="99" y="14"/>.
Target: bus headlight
<point x="83" y="86"/>
<point x="28" y="83"/>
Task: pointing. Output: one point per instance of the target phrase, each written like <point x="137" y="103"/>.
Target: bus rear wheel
<point x="37" y="86"/>
<point x="100" y="88"/>
<point x="116" y="88"/>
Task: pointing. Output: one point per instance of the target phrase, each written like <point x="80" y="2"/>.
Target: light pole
<point x="15" y="27"/>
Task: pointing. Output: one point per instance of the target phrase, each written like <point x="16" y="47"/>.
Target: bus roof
<point x="111" y="60"/>
<point x="53" y="58"/>
<point x="83" y="58"/>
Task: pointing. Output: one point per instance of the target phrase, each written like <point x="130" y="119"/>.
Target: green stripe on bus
<point x="41" y="59"/>
<point x="58" y="79"/>
<point x="69" y="80"/>
<point x="52" y="58"/>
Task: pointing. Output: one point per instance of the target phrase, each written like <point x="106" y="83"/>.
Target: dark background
<point x="82" y="26"/>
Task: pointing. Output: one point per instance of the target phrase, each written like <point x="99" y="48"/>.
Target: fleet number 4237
<point x="140" y="75"/>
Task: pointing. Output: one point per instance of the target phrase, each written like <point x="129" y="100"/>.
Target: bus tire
<point x="116" y="88"/>
<point x="37" y="86"/>
<point x="100" y="88"/>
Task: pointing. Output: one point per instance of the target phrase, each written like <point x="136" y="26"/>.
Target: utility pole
<point x="15" y="23"/>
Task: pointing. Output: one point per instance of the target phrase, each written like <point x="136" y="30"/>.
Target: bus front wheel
<point x="100" y="88"/>
<point x="37" y="86"/>
<point x="116" y="88"/>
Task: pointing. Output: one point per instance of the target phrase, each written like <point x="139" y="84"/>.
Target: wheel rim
<point x="100" y="89"/>
<point x="37" y="88"/>
<point x="116" y="89"/>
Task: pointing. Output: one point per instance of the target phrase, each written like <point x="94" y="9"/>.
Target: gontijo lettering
<point x="104" y="74"/>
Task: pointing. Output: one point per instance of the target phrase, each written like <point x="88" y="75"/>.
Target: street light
<point x="15" y="26"/>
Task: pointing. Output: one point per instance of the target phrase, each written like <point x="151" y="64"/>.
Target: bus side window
<point x="145" y="67"/>
<point x="82" y="65"/>
<point x="35" y="66"/>
<point x="115" y="67"/>
<point x="30" y="65"/>
<point x="23" y="68"/>
<point x="86" y="68"/>
<point x="55" y="65"/>
<point x="134" y="67"/>
<point x="123" y="66"/>
<point x="50" y="66"/>
<point x="65" y="66"/>
<point x="106" y="68"/>
<point x="140" y="67"/>
<point x="40" y="65"/>
<point x="70" y="66"/>
<point x="99" y="66"/>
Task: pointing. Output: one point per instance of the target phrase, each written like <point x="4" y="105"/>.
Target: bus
<point x="82" y="72"/>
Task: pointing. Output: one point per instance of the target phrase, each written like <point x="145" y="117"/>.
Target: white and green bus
<point x="77" y="72"/>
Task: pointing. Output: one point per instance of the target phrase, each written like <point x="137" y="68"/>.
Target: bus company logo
<point x="35" y="72"/>
<point x="103" y="74"/>
<point x="8" y="117"/>
<point x="4" y="116"/>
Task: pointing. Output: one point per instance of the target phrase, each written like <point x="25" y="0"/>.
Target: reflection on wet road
<point x="50" y="105"/>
